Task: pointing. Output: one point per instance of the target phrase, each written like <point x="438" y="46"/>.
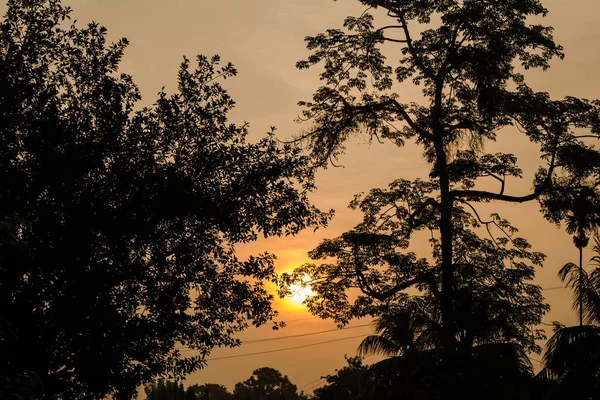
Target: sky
<point x="264" y="39"/>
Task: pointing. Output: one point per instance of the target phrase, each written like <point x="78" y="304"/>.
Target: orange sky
<point x="264" y="39"/>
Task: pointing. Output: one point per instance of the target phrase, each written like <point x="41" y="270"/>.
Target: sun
<point x="300" y="291"/>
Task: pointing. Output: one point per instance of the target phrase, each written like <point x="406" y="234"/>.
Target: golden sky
<point x="264" y="39"/>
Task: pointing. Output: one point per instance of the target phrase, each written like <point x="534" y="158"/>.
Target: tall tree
<point x="579" y="209"/>
<point x="128" y="217"/>
<point x="468" y="58"/>
<point x="572" y="355"/>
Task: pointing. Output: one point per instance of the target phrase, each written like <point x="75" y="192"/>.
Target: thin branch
<point x="394" y="40"/>
<point x="579" y="137"/>
<point x="412" y="50"/>
<point x="481" y="194"/>
<point x="429" y="202"/>
<point x="501" y="180"/>
<point x="488" y="223"/>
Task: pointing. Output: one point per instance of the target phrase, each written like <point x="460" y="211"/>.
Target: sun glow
<point x="300" y="291"/>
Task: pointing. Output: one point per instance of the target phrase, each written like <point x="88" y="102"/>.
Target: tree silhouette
<point x="352" y="382"/>
<point x="488" y="362"/>
<point x="572" y="355"/>
<point x="266" y="384"/>
<point x="401" y="331"/>
<point x="165" y="390"/>
<point x="579" y="209"/>
<point x="466" y="60"/>
<point x="128" y="216"/>
<point x="211" y="391"/>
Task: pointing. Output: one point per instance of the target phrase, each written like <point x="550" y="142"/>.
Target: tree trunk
<point x="445" y="225"/>
<point x="580" y="286"/>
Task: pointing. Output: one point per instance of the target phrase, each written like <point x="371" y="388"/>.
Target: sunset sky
<point x="264" y="39"/>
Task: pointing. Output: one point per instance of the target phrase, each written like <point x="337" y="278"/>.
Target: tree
<point x="580" y="211"/>
<point x="165" y="390"/>
<point x="191" y="395"/>
<point x="128" y="217"/>
<point x="572" y="355"/>
<point x="468" y="60"/>
<point x="416" y="368"/>
<point x="352" y="382"/>
<point x="572" y="358"/>
<point x="266" y="384"/>
<point x="400" y="331"/>
<point x="212" y="391"/>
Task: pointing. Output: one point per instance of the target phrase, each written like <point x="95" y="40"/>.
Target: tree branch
<point x="481" y="194"/>
<point x="429" y="202"/>
<point x="396" y="106"/>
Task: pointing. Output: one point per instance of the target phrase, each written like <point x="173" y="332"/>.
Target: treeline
<point x="264" y="384"/>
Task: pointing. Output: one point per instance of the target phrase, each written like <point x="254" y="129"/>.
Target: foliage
<point x="580" y="211"/>
<point x="165" y="390"/>
<point x="585" y="289"/>
<point x="417" y="368"/>
<point x="402" y="331"/>
<point x="266" y="384"/>
<point x="578" y="208"/>
<point x="495" y="300"/>
<point x="126" y="218"/>
<point x="468" y="59"/>
<point x="352" y="382"/>
<point x="572" y="358"/>
<point x="572" y="355"/>
<point x="212" y="391"/>
<point x="19" y="385"/>
<point x="25" y="386"/>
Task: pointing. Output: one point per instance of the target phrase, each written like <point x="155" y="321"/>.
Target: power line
<point x="314" y="386"/>
<point x="263" y="340"/>
<point x="303" y="334"/>
<point x="284" y="349"/>
<point x="299" y="319"/>
<point x="556" y="288"/>
<point x="310" y="383"/>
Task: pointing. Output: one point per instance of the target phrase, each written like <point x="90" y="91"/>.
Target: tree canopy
<point x="470" y="60"/>
<point x="122" y="220"/>
<point x="352" y="382"/>
<point x="211" y="391"/>
<point x="266" y="384"/>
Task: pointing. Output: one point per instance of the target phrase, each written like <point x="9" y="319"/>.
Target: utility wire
<point x="298" y="319"/>
<point x="263" y="340"/>
<point x="303" y="334"/>
<point x="556" y="288"/>
<point x="310" y="383"/>
<point x="314" y="386"/>
<point x="284" y="349"/>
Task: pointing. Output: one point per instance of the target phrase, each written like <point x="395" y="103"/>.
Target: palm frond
<point x="570" y="273"/>
<point x="379" y="345"/>
<point x="584" y="287"/>
<point x="568" y="348"/>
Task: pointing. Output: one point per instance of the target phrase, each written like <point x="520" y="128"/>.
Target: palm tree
<point x="408" y="337"/>
<point x="582" y="217"/>
<point x="400" y="332"/>
<point x="417" y="368"/>
<point x="572" y="355"/>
